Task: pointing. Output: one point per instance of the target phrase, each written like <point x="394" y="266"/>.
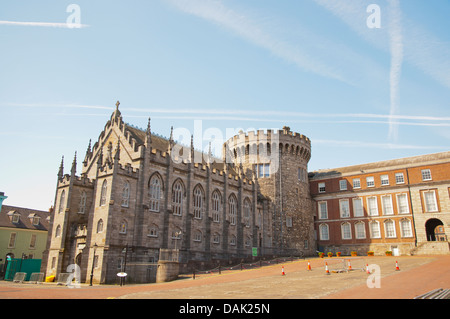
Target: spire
<point x="170" y="141"/>
<point x="117" y="155"/>
<point x="116" y="115"/>
<point x="88" y="154"/>
<point x="148" y="134"/>
<point x="73" y="170"/>
<point x="61" y="168"/>
<point x="192" y="148"/>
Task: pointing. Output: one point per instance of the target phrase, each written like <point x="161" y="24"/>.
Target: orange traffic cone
<point x="349" y="265"/>
<point x="326" y="269"/>
<point x="309" y="266"/>
<point x="282" y="271"/>
<point x="396" y="266"/>
<point x="367" y="268"/>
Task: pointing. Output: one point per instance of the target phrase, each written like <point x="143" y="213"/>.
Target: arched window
<point x="58" y="231"/>
<point x="153" y="231"/>
<point x="82" y="205"/>
<point x="232" y="209"/>
<point x="126" y="194"/>
<point x="103" y="193"/>
<point x="247" y="212"/>
<point x="406" y="229"/>
<point x="389" y="229"/>
<point x="360" y="230"/>
<point x="100" y="226"/>
<point x="374" y="227"/>
<point x="177" y="198"/>
<point x="346" y="231"/>
<point x="154" y="193"/>
<point x="62" y="200"/>
<point x="233" y="240"/>
<point x="216" y="200"/>
<point x="216" y="238"/>
<point x="324" y="232"/>
<point x="198" y="236"/>
<point x="198" y="202"/>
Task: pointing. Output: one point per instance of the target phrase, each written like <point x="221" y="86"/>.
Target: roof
<point x="407" y="162"/>
<point x="26" y="218"/>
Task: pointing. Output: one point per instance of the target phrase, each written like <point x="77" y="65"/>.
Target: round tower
<point x="278" y="161"/>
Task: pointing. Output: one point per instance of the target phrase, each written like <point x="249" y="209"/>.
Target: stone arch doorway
<point x="435" y="230"/>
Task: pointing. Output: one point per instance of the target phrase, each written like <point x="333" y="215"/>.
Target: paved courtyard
<point x="417" y="275"/>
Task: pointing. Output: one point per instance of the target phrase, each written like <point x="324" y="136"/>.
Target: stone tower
<point x="278" y="161"/>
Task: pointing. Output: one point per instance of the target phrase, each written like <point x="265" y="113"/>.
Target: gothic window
<point x="100" y="226"/>
<point x="82" y="204"/>
<point x="58" y="231"/>
<point x="216" y="238"/>
<point x="103" y="193"/>
<point x="198" y="236"/>
<point x="247" y="212"/>
<point x="216" y="200"/>
<point x="153" y="231"/>
<point x="126" y="194"/>
<point x="232" y="209"/>
<point x="155" y="193"/>
<point x="62" y="200"/>
<point x="233" y="240"/>
<point x="177" y="198"/>
<point x="198" y="202"/>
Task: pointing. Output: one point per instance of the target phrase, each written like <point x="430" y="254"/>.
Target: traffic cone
<point x="309" y="266"/>
<point x="282" y="271"/>
<point x="367" y="268"/>
<point x="349" y="265"/>
<point x="396" y="266"/>
<point x="326" y="269"/>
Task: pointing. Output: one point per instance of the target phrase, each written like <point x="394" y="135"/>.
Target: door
<point x="395" y="251"/>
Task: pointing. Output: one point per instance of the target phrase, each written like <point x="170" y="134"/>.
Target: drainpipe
<point x="412" y="208"/>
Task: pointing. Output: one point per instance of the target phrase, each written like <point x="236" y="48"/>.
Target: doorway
<point x="435" y="230"/>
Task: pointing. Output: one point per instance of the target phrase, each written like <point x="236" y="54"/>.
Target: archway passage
<point x="435" y="230"/>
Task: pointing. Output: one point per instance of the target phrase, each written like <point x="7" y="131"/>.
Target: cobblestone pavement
<point x="417" y="275"/>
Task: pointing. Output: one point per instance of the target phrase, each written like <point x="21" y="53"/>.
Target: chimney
<point x="2" y="198"/>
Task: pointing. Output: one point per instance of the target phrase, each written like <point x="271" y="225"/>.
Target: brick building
<point x="400" y="205"/>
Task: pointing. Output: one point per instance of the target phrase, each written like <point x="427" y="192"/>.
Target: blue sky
<point x="361" y="94"/>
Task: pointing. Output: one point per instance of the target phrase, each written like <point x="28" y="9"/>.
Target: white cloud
<point x="44" y="24"/>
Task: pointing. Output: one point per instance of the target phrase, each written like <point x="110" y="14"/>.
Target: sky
<point x="365" y="80"/>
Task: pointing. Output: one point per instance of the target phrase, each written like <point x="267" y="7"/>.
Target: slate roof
<point x="26" y="218"/>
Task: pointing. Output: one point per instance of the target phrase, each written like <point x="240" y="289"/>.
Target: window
<point x="247" y="212"/>
<point x="216" y="238"/>
<point x="33" y="241"/>
<point x="198" y="202"/>
<point x="324" y="232"/>
<point x="154" y="193"/>
<point x="16" y="218"/>
<point x="426" y="175"/>
<point x="82" y="204"/>
<point x="103" y="193"/>
<point x="233" y="240"/>
<point x="62" y="200"/>
<point x="123" y="227"/>
<point x="387" y="205"/>
<point x="323" y="210"/>
<point x="374" y="228"/>
<point x="288" y="221"/>
<point x="177" y="198"/>
<point x="402" y="203"/>
<point x="344" y="208"/>
<point x="321" y="187"/>
<point x="372" y="206"/>
<point x="125" y="194"/>
<point x="356" y="183"/>
<point x="360" y="230"/>
<point x="406" y="229"/>
<point x="216" y="200"/>
<point x="36" y="220"/>
<point x="370" y="181"/>
<point x="399" y="178"/>
<point x="198" y="236"/>
<point x="302" y="174"/>
<point x="262" y="170"/>
<point x="346" y="231"/>
<point x="100" y="226"/>
<point x="430" y="201"/>
<point x="343" y="185"/>
<point x="153" y="231"/>
<point x="389" y="229"/>
<point x="358" y="210"/>
<point x="232" y="209"/>
<point x="12" y="240"/>
<point x="384" y="180"/>
<point x="58" y="231"/>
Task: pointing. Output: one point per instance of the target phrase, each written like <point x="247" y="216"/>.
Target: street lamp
<point x="93" y="263"/>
